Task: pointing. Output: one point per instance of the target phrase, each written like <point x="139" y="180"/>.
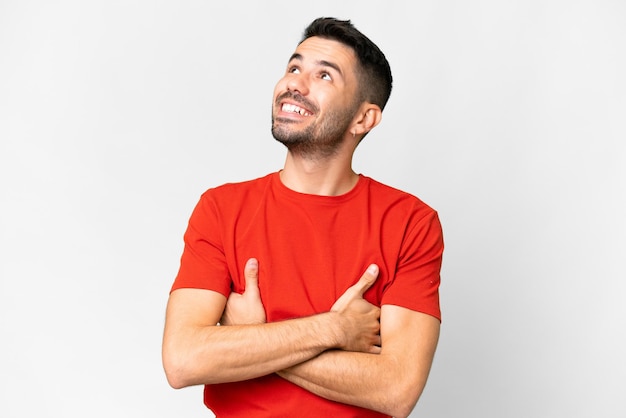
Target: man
<point x="312" y="291"/>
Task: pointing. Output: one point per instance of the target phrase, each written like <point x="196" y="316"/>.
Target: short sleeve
<point x="417" y="277"/>
<point x="203" y="263"/>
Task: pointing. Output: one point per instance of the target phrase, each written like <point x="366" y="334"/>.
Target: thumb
<point x="367" y="279"/>
<point x="251" y="273"/>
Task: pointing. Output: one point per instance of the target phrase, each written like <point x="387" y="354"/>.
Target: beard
<point x="321" y="138"/>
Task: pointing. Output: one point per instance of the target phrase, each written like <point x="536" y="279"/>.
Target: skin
<point x="197" y="351"/>
<point x="324" y="169"/>
<point x="389" y="380"/>
<point x="316" y="132"/>
<point x="357" y="353"/>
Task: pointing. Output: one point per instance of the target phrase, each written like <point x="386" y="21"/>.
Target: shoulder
<point x="230" y="197"/>
<point x="398" y="200"/>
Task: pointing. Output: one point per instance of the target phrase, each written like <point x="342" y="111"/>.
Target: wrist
<point x="332" y="324"/>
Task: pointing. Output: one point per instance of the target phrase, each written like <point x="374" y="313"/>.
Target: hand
<point x="360" y="319"/>
<point x="246" y="308"/>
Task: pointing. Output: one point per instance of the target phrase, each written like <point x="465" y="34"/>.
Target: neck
<point x="325" y="177"/>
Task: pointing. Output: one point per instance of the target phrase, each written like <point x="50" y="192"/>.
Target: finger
<point x="367" y="279"/>
<point x="251" y="273"/>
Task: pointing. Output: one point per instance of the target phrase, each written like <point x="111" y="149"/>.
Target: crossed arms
<point x="356" y="353"/>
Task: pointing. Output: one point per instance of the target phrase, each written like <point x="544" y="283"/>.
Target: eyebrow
<point x="323" y="63"/>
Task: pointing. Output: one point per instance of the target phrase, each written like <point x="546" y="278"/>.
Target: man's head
<point x="373" y="70"/>
<point x="335" y="86"/>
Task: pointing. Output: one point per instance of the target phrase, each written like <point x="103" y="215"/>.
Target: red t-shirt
<point x="310" y="249"/>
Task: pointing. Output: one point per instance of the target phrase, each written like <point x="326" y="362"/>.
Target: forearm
<point x="218" y="354"/>
<point x="390" y="382"/>
<point x="198" y="351"/>
<point x="373" y="381"/>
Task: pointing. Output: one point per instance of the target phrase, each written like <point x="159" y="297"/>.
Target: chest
<point x="309" y="256"/>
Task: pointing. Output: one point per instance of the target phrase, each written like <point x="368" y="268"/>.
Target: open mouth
<point x="292" y="108"/>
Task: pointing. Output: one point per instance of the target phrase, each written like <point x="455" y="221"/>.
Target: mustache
<point x="298" y="98"/>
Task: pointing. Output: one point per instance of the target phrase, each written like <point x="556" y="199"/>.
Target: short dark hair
<point x="374" y="72"/>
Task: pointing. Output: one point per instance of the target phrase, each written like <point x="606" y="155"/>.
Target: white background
<point x="508" y="117"/>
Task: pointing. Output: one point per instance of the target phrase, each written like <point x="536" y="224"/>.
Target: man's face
<point x="316" y="100"/>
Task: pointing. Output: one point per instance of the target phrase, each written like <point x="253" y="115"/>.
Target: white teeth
<point x="294" y="109"/>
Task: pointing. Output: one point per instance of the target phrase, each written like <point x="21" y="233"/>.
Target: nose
<point x="297" y="83"/>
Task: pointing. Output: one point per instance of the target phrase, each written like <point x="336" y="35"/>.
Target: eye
<point x="326" y="76"/>
<point x="293" y="70"/>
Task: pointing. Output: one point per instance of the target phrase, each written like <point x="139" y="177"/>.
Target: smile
<point x="291" y="108"/>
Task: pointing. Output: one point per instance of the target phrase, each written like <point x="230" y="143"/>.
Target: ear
<point x="368" y="116"/>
